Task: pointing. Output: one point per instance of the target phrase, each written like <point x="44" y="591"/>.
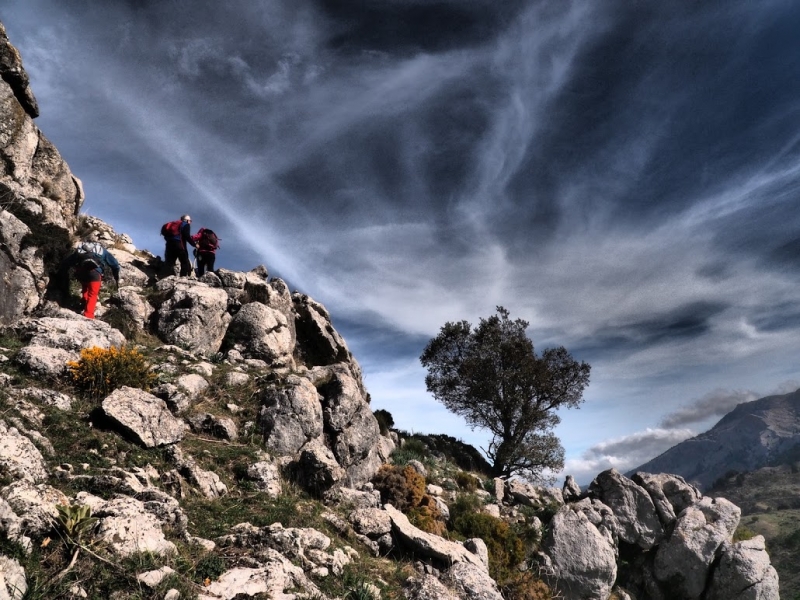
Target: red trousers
<point x="90" y="290"/>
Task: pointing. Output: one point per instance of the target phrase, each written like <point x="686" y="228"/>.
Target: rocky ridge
<point x="260" y="409"/>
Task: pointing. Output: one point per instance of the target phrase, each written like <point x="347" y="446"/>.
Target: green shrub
<point x="466" y="481"/>
<point x="100" y="371"/>
<point x="210" y="567"/>
<point x="506" y="550"/>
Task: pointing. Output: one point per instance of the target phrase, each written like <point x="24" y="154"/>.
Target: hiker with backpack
<point x="206" y="245"/>
<point x="177" y="234"/>
<point x="88" y="261"/>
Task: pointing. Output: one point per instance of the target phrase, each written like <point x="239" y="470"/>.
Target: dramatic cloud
<point x="624" y="453"/>
<point x="716" y="403"/>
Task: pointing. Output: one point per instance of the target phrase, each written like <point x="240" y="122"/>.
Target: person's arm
<point x="186" y="234"/>
<point x="113" y="263"/>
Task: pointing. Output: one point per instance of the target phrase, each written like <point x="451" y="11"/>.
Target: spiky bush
<point x="100" y="371"/>
<point x="404" y="488"/>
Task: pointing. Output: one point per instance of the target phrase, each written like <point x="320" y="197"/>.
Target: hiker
<point x="177" y="234"/>
<point x="206" y="245"/>
<point x="88" y="260"/>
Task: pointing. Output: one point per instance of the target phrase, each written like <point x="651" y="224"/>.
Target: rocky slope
<point x="244" y="461"/>
<point x="751" y="436"/>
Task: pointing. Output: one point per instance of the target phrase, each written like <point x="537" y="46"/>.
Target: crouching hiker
<point x="206" y="245"/>
<point x="177" y="234"/>
<point x="87" y="261"/>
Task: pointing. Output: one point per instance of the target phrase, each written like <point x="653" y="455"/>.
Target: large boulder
<point x="72" y="333"/>
<point x="126" y="527"/>
<point x="350" y="425"/>
<point x="19" y="457"/>
<point x="143" y="416"/>
<point x="744" y="573"/>
<point x="192" y="315"/>
<point x="318" y="343"/>
<point x="35" y="503"/>
<point x="671" y="494"/>
<point x="291" y="414"/>
<point x="683" y="561"/>
<point x="258" y="331"/>
<point x="578" y="561"/>
<point x="633" y="507"/>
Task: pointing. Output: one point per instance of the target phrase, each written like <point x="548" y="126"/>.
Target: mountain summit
<point x="752" y="435"/>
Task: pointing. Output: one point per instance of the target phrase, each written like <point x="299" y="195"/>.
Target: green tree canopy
<point x="491" y="376"/>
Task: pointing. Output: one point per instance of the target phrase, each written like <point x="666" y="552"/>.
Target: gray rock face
<point x="34" y="179"/>
<point x="13" y="585"/>
<point x="291" y="415"/>
<point x="19" y="457"/>
<point x="46" y="363"/>
<point x="632" y="506"/>
<point x="193" y="315"/>
<point x="429" y="545"/>
<point x="683" y="561"/>
<point x="670" y="494"/>
<point x="34" y="503"/>
<point x="144" y="416"/>
<point x="318" y="341"/>
<point x="15" y="76"/>
<point x="73" y="334"/>
<point x="580" y="563"/>
<point x="744" y="573"/>
<point x="258" y="331"/>
<point x="126" y="526"/>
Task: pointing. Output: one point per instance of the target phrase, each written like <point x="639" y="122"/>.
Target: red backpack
<point x="208" y="240"/>
<point x="172" y="229"/>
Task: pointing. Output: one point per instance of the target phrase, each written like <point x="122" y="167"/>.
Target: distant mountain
<point x="753" y="435"/>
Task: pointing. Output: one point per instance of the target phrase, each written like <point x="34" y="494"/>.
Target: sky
<point x="624" y="176"/>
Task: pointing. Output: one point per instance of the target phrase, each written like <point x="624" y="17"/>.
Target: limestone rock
<point x="34" y="503"/>
<point x="74" y="334"/>
<point x="318" y="342"/>
<point x="128" y="528"/>
<point x="632" y="506"/>
<point x="258" y="331"/>
<point x="144" y="416"/>
<point x="13" y="585"/>
<point x="670" y="494"/>
<point x="193" y="315"/>
<point x="267" y="478"/>
<point x="278" y="578"/>
<point x="46" y="363"/>
<point x="291" y="415"/>
<point x="579" y="562"/>
<point x="683" y="561"/>
<point x="744" y="573"/>
<point x="19" y="457"/>
<point x="316" y="468"/>
<point x="428" y="545"/>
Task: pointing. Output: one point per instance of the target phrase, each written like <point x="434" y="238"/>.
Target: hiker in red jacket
<point x="206" y="245"/>
<point x="177" y="235"/>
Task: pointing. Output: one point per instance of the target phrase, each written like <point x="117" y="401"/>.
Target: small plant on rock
<point x="73" y="521"/>
<point x="100" y="371"/>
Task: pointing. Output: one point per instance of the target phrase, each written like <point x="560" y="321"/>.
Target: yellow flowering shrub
<point x="100" y="371"/>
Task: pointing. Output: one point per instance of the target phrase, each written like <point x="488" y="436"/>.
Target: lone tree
<point x="493" y="378"/>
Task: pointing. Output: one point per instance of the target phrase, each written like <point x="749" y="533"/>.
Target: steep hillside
<point x="753" y="435"/>
<point x="212" y="439"/>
